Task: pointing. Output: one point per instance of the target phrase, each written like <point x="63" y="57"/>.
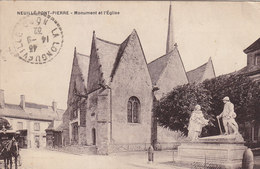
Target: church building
<point x="112" y="92"/>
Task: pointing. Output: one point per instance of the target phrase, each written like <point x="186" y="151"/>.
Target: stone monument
<point x="197" y="121"/>
<point x="221" y="151"/>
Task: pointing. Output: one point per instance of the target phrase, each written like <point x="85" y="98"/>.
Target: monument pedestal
<point x="219" y="151"/>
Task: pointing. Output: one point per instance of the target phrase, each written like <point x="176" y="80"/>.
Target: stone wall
<point x="131" y="79"/>
<point x="91" y="117"/>
<point x="113" y="148"/>
<point x="65" y="131"/>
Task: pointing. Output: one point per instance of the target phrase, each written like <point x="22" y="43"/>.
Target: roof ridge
<point x="162" y="56"/>
<point x="182" y="63"/>
<point x="38" y="104"/>
<point x="106" y="41"/>
<point x="119" y="55"/>
<point x="198" y="67"/>
<point x="211" y="62"/>
<point x="252" y="46"/>
<point x="82" y="54"/>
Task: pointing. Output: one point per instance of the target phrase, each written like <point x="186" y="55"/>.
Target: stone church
<point x="112" y="92"/>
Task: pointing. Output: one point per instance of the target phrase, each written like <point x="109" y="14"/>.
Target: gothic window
<point x="133" y="110"/>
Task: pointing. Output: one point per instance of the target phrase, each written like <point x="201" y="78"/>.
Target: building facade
<point x="252" y="70"/>
<point x="30" y="120"/>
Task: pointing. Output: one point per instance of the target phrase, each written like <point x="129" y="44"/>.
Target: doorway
<point x="94" y="136"/>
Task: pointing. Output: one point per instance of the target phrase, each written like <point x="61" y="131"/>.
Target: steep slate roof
<point x="196" y="75"/>
<point x="35" y="112"/>
<point x="157" y="66"/>
<point x="254" y="46"/>
<point x="83" y="63"/>
<point x="107" y="54"/>
<point x="119" y="55"/>
<point x="79" y="71"/>
<point x="200" y="73"/>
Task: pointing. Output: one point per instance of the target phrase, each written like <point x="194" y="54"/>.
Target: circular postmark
<point x="37" y="38"/>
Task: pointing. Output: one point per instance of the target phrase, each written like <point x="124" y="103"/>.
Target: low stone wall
<point x="142" y="147"/>
<point x="167" y="145"/>
<point x="76" y="149"/>
<point x="113" y="148"/>
<point x="128" y="147"/>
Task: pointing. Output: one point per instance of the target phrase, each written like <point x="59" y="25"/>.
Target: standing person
<point x="197" y="121"/>
<point x="228" y="116"/>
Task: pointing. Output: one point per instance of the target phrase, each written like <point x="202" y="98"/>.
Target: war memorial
<point x="221" y="151"/>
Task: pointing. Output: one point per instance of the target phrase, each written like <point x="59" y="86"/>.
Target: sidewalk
<point x="162" y="160"/>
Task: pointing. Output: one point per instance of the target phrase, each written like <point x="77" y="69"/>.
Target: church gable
<point x="131" y="60"/>
<point x="102" y="57"/>
<point x="131" y="84"/>
<point x="201" y="73"/>
<point x="195" y="75"/>
<point x="209" y="71"/>
<point x="174" y="74"/>
<point x="79" y="73"/>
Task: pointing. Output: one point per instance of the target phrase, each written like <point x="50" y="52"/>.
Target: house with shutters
<point x="252" y="70"/>
<point x="30" y="119"/>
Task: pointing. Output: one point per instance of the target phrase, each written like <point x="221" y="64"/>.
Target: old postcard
<point x="136" y="84"/>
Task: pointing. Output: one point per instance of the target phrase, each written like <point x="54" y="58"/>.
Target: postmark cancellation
<point x="37" y="39"/>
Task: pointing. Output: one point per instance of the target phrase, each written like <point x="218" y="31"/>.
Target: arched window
<point x="133" y="110"/>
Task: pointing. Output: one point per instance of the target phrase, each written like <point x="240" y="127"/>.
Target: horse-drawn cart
<point x="9" y="147"/>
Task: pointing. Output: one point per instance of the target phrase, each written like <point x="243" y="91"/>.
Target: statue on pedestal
<point x="197" y="121"/>
<point x="228" y="117"/>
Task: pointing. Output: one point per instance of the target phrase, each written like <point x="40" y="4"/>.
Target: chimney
<point x="54" y="106"/>
<point x="22" y="102"/>
<point x="2" y="99"/>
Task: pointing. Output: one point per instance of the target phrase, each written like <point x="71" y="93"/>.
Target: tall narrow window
<point x="36" y="126"/>
<point x="133" y="110"/>
<point x="257" y="59"/>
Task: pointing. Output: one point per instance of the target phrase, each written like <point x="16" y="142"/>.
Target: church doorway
<point x="94" y="136"/>
<point x="75" y="134"/>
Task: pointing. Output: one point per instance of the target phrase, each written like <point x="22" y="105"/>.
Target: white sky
<point x="221" y="30"/>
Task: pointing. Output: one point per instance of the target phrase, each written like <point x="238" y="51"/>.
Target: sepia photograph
<point x="129" y="85"/>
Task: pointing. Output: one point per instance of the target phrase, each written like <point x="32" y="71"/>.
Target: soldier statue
<point x="228" y="117"/>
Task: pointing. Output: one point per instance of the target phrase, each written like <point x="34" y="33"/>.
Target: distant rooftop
<point x="32" y="111"/>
